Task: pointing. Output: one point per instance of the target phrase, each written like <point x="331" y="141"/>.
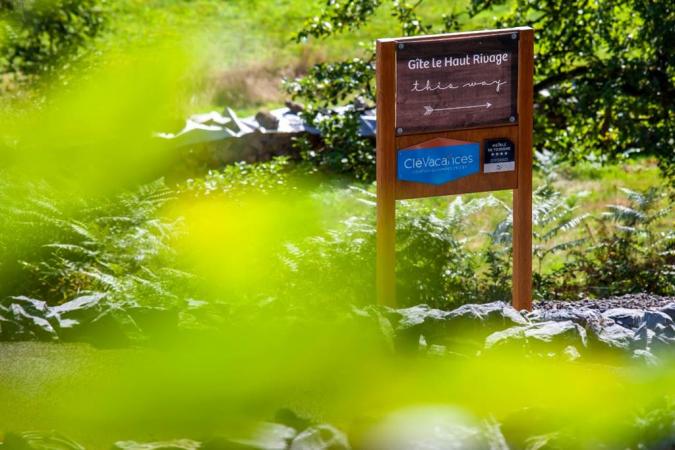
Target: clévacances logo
<point x="439" y="165"/>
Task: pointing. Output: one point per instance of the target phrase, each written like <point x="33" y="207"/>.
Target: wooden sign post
<point x="454" y="116"/>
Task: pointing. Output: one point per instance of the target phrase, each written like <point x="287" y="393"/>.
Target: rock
<point x="630" y="301"/>
<point x="417" y="315"/>
<point x="581" y="316"/>
<point x="489" y="315"/>
<point x="465" y="326"/>
<point x="411" y="323"/>
<point x="646" y="357"/>
<point x="294" y="108"/>
<point x="669" y="309"/>
<point x="321" y="437"/>
<point x="177" y="444"/>
<point x="545" y="336"/>
<point x="653" y="319"/>
<point x="553" y="332"/>
<point x="534" y="428"/>
<point x="494" y="436"/>
<point x="376" y="323"/>
<point x="627" y="318"/>
<point x="266" y="436"/>
<point x="571" y="353"/>
<point x="611" y="337"/>
<point x="629" y="322"/>
<point x="39" y="440"/>
<point x="90" y="318"/>
<point x="658" y="339"/>
<point x="289" y="418"/>
<point x="267" y="120"/>
<point x="26" y="318"/>
<point x="428" y="428"/>
<point x="77" y="311"/>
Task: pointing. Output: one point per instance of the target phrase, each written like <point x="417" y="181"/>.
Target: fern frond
<point x="563" y="246"/>
<point x="625" y="214"/>
<point x="564" y="226"/>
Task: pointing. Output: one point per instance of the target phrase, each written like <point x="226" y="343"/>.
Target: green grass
<point x="246" y="46"/>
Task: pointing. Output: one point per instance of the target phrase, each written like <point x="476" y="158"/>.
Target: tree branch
<point x="560" y="77"/>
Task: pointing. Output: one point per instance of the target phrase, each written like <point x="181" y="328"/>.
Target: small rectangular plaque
<point x="499" y="156"/>
<point x="439" y="165"/>
<point x="455" y="83"/>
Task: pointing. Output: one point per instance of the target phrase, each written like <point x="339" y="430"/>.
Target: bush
<point x="43" y="36"/>
<point x="118" y="245"/>
<point x="632" y="249"/>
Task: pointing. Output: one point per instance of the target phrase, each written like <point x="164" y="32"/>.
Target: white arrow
<point x="429" y="109"/>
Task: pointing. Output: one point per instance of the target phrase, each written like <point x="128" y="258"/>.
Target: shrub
<point x="43" y="36"/>
<point x="118" y="245"/>
<point x="632" y="250"/>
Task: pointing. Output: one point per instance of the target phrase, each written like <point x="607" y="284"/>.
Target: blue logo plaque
<point x="438" y="165"/>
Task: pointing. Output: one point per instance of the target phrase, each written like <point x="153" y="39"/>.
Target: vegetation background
<point x="268" y="262"/>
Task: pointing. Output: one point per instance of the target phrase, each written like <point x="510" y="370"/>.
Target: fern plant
<point x="633" y="248"/>
<point x="118" y="246"/>
<point x="554" y="224"/>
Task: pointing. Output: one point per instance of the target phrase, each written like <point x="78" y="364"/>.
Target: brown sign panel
<point x="456" y="82"/>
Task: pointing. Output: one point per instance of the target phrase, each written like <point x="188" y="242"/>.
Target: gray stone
<point x="547" y="336"/>
<point x="669" y="309"/>
<point x="321" y="437"/>
<point x="653" y="319"/>
<point x="646" y="357"/>
<point x="489" y="315"/>
<point x="571" y="353"/>
<point x="431" y="428"/>
<point x="581" y="316"/>
<point x="88" y="318"/>
<point x="24" y="318"/>
<point x="270" y="436"/>
<point x="177" y="444"/>
<point x="611" y="337"/>
<point x="265" y="436"/>
<point x="293" y="107"/>
<point x="659" y="339"/>
<point x="465" y="326"/>
<point x="39" y="440"/>
<point x="267" y="120"/>
<point x="628" y="318"/>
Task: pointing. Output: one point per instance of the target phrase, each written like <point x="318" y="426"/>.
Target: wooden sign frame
<point x="390" y="189"/>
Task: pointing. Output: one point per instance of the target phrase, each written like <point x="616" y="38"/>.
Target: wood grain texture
<point x="479" y="182"/>
<point x="522" y="195"/>
<point x="464" y="34"/>
<point x="389" y="189"/>
<point x="436" y="77"/>
<point x="386" y="173"/>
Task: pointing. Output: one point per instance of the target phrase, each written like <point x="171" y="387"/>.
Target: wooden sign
<point x="456" y="83"/>
<point x="454" y="116"/>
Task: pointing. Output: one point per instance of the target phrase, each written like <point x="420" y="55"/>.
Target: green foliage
<point x="604" y="81"/>
<point x="119" y="246"/>
<point x="632" y="249"/>
<point x="43" y="36"/>
<point x="329" y="84"/>
<point x="554" y="224"/>
<point x="338" y="16"/>
<point x="326" y="85"/>
<point x="342" y="150"/>
<point x="625" y="251"/>
<point x="240" y="178"/>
